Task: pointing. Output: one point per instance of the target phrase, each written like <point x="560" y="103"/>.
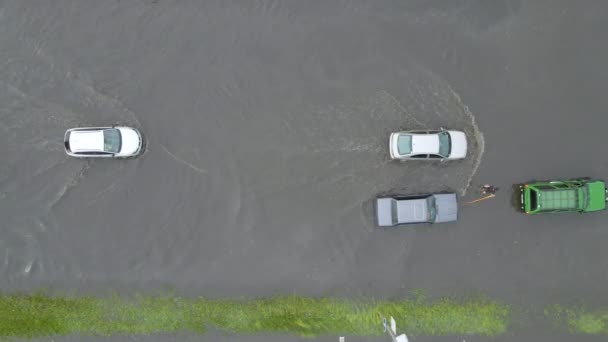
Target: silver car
<point x="115" y="141"/>
<point x="428" y="145"/>
<point x="429" y="208"/>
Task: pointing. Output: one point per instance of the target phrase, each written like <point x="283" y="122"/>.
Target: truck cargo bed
<point x="559" y="199"/>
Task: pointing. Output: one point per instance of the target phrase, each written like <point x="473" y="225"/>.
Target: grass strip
<point x="578" y="320"/>
<point x="27" y="316"/>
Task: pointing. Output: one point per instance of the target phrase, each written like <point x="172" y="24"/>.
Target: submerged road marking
<point x="180" y="160"/>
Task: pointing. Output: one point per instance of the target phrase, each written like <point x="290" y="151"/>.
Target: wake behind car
<point x="429" y="208"/>
<point x="99" y="142"/>
<point x="428" y="145"/>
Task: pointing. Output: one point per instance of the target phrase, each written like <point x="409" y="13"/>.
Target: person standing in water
<point x="489" y="189"/>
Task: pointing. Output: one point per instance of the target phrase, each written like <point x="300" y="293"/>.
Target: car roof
<point x="425" y="143"/>
<point x="412" y="210"/>
<point x="86" y="140"/>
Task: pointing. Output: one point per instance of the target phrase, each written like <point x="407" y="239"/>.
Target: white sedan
<point x="428" y="145"/>
<point x="115" y="141"/>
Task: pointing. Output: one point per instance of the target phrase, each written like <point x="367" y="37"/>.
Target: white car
<point x="428" y="145"/>
<point x="115" y="141"/>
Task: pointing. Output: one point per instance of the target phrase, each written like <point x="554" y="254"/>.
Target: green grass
<point x="579" y="321"/>
<point x="42" y="315"/>
<point x="26" y="316"/>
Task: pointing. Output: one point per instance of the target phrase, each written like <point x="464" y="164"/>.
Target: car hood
<point x="447" y="208"/>
<point x="131" y="141"/>
<point x="459" y="145"/>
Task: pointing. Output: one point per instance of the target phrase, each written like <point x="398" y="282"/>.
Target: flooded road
<point x="266" y="125"/>
<point x="264" y="148"/>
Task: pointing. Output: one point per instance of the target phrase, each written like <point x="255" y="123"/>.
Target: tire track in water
<point x="69" y="185"/>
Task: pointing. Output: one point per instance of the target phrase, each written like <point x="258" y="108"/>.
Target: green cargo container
<point x="578" y="195"/>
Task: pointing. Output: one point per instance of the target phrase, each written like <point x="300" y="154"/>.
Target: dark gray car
<point x="430" y="208"/>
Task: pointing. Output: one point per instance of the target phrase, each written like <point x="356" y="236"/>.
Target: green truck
<point x="578" y="195"/>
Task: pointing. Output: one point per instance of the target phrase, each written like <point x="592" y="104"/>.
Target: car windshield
<point x="432" y="210"/>
<point x="111" y="140"/>
<point x="404" y="144"/>
<point x="445" y="144"/>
